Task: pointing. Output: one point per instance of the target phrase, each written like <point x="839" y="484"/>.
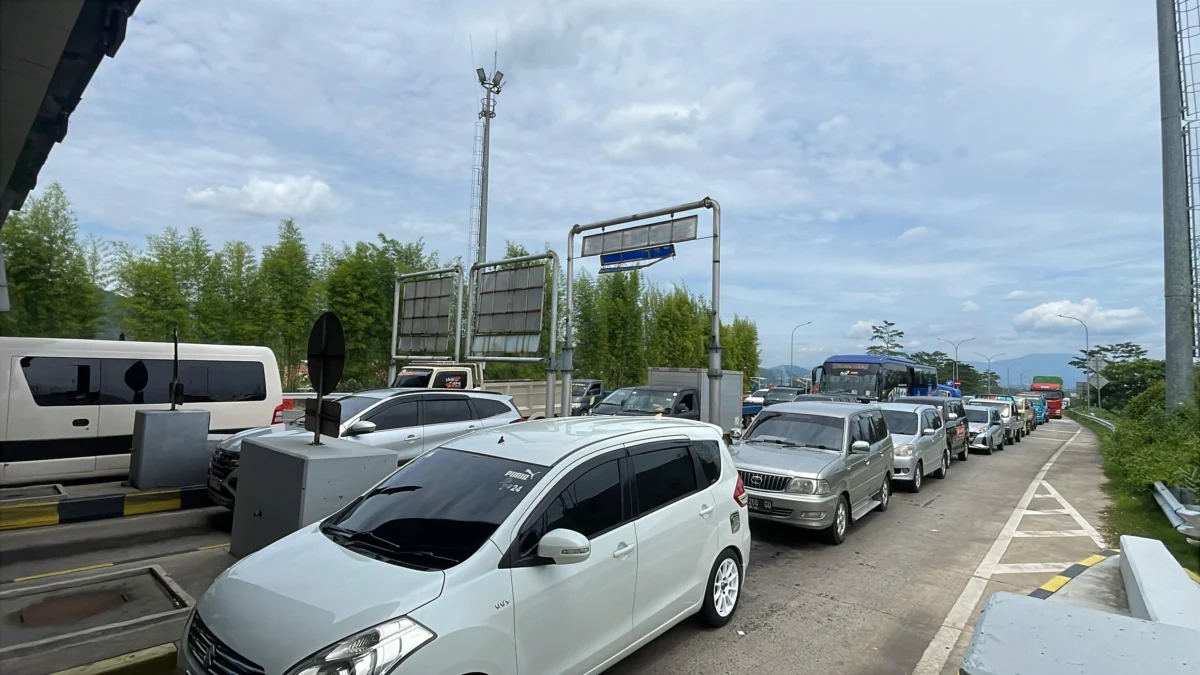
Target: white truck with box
<point x="694" y="381"/>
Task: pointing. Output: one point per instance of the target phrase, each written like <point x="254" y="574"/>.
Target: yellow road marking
<point x="155" y="501"/>
<point x="1195" y="577"/>
<point x="62" y="572"/>
<point x="1056" y="583"/>
<point x="214" y="546"/>
<point x="19" y="516"/>
<point x="1092" y="560"/>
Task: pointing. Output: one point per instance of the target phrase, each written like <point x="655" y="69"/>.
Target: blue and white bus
<point x="871" y="378"/>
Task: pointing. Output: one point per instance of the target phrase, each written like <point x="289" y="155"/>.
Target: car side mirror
<point x="564" y="547"/>
<point x="952" y="416"/>
<point x="860" y="447"/>
<point x="928" y="432"/>
<point x="360" y="427"/>
<point x="735" y="433"/>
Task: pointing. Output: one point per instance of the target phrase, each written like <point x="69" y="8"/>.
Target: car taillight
<point x="519" y="419"/>
<point x="739" y="493"/>
<point x="277" y="418"/>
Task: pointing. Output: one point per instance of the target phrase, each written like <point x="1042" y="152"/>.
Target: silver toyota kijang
<point x="817" y="465"/>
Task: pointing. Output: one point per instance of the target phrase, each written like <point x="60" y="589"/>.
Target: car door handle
<point x="410" y="439"/>
<point x="706" y="511"/>
<point x="624" y="550"/>
<point x="470" y="426"/>
<point x="80" y="422"/>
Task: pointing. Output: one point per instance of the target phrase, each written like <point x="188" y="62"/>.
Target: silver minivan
<point x="919" y="438"/>
<point x="1014" y="426"/>
<point x="819" y="465"/>
<point x="985" y="428"/>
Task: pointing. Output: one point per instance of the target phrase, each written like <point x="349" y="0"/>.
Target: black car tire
<point x="944" y="469"/>
<point x="709" y="612"/>
<point x="832" y="533"/>
<point x="914" y="485"/>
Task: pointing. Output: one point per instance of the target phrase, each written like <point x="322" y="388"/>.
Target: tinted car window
<point x="450" y="379"/>
<point x="977" y="416"/>
<point x="708" y="453"/>
<point x="861" y="427"/>
<point x="663" y="476"/>
<point x="487" y="407"/>
<point x="61" y="381"/>
<point x="589" y="505"/>
<point x="901" y="422"/>
<point x="878" y="426"/>
<point x="436" y="511"/>
<point x="814" y="431"/>
<point x="445" y="410"/>
<point x="148" y="381"/>
<point x="399" y="416"/>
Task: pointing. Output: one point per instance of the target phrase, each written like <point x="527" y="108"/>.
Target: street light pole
<point x="1008" y="374"/>
<point x="988" y="374"/>
<point x="1087" y="357"/>
<point x="1022" y="374"/>
<point x="956" y="346"/>
<point x="792" y="352"/>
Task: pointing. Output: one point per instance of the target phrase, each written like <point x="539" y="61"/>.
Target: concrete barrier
<point x="158" y="660"/>
<point x="83" y="509"/>
<point x="1158" y="588"/>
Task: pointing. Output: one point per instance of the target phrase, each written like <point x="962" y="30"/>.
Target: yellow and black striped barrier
<point x="84" y="509"/>
<point x="1051" y="587"/>
<point x="113" y="563"/>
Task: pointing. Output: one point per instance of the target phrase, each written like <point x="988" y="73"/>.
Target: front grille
<point x="222" y="463"/>
<point x="764" y="482"/>
<point x="214" y="656"/>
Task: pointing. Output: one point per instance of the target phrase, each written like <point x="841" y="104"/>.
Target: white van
<point x="66" y="406"/>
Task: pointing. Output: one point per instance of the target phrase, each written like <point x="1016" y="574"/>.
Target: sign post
<point x="326" y="361"/>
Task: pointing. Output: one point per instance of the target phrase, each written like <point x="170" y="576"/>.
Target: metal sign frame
<point x="566" y="365"/>
<point x="454" y="331"/>
<point x="551" y="360"/>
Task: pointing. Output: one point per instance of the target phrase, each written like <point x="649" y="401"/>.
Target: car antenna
<point x="501" y="441"/>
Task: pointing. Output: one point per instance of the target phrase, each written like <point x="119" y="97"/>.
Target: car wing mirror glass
<point x="952" y="416"/>
<point x="860" y="447"/>
<point x="929" y="432"/>
<point x="735" y="433"/>
<point x="564" y="547"/>
<point x="360" y="427"/>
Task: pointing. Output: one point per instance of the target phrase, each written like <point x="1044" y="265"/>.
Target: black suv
<point x="955" y="417"/>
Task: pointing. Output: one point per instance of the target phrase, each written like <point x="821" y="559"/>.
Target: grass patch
<point x="1135" y="512"/>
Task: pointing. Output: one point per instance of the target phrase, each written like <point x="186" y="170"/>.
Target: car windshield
<point x="649" y="401"/>
<point x="759" y="393"/>
<point x="413" y="377"/>
<point x="1053" y="395"/>
<point x="901" y="422"/>
<point x="977" y="416"/>
<point x="617" y="397"/>
<point x="579" y="388"/>
<point x="798" y="430"/>
<point x="436" y="511"/>
<point x="780" y="395"/>
<point x="853" y="378"/>
<point x="1004" y="408"/>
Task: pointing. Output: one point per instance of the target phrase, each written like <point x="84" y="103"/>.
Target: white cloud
<point x="289" y="195"/>
<point x="1025" y="295"/>
<point x="860" y="329"/>
<point x="968" y="306"/>
<point x="917" y="233"/>
<point x="914" y="343"/>
<point x="1046" y="316"/>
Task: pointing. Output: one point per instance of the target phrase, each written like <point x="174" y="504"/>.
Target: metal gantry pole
<point x="792" y="351"/>
<point x="488" y="112"/>
<point x="1177" y="273"/>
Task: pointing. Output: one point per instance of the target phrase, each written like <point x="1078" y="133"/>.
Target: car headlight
<point x="374" y="651"/>
<point x="807" y="486"/>
<point x="576" y="404"/>
<point x="905" y="450"/>
<point x="980" y="430"/>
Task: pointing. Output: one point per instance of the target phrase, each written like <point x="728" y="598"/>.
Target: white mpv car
<point x="547" y="548"/>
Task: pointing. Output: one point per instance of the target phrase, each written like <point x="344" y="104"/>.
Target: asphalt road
<point x="874" y="604"/>
<point x="898" y="597"/>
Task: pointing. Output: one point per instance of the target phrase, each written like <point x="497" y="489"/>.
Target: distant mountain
<point x="1034" y="364"/>
<point x="775" y="374"/>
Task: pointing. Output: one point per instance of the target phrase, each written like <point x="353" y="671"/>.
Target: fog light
<point x="813" y="515"/>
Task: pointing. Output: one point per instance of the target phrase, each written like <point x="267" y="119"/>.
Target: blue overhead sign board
<point x="655" y="253"/>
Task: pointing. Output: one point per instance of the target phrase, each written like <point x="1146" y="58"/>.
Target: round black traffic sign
<point x="326" y="353"/>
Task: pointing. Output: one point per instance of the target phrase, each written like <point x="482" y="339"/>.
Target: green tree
<point x="287" y="277"/>
<point x="1127" y="379"/>
<point x="52" y="281"/>
<point x="677" y="329"/>
<point x="624" y="325"/>
<point x="591" y="339"/>
<point x="888" y="338"/>
<point x="938" y="359"/>
<point x="740" y="352"/>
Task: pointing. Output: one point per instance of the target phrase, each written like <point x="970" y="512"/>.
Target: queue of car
<point x="470" y="557"/>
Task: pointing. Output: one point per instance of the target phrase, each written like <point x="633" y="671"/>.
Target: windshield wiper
<point x="786" y="444"/>
<point x="372" y="540"/>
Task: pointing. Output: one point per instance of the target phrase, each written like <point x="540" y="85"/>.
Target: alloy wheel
<point x="726" y="585"/>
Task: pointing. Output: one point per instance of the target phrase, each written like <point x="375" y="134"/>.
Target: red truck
<point x="1050" y="387"/>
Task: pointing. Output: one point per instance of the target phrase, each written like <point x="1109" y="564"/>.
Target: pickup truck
<point x="678" y="392"/>
<point x="585" y="394"/>
<point x="529" y="395"/>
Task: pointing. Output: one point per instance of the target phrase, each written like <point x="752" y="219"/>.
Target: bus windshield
<point x="854" y="378"/>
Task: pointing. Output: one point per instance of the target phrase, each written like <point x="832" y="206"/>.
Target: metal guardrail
<point x="1184" y="518"/>
<point x="1098" y="420"/>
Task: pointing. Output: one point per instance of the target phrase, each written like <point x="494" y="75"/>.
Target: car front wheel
<point x="724" y="590"/>
<point x="836" y="532"/>
<point x="945" y="466"/>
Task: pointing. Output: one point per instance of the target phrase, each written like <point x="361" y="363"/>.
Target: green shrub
<point x="1156" y="446"/>
<point x="1154" y="398"/>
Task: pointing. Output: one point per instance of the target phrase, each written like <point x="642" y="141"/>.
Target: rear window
<point x="487" y="407"/>
<point x="978" y="416"/>
<point x="436" y="511"/>
<point x="413" y="377"/>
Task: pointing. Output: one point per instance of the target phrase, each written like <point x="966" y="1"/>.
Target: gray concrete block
<point x="285" y="484"/>
<point x="1100" y="587"/>
<point x="1019" y="635"/>
<point x="170" y="448"/>
<point x="1157" y="587"/>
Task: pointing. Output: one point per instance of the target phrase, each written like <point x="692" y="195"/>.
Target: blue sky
<point x="962" y="168"/>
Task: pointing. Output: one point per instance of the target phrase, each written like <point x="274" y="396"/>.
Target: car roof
<point x="983" y="407"/>
<point x="657" y="387"/>
<point x="936" y="401"/>
<point x="827" y="408"/>
<point x="905" y="407"/>
<point x="391" y="392"/>
<point x="549" y="441"/>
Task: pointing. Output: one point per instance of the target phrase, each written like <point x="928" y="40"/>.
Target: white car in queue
<point x="919" y="442"/>
<point x="554" y="546"/>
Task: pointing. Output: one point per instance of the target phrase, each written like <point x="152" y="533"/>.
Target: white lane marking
<point x="1043" y="496"/>
<point x="938" y="652"/>
<point x="1076" y="516"/>
<point x="1047" y="512"/>
<point x="1045" y="534"/>
<point x="1030" y="568"/>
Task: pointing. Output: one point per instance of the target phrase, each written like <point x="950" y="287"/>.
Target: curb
<point x="84" y="509"/>
<point x="1058" y="581"/>
<point x="158" y="660"/>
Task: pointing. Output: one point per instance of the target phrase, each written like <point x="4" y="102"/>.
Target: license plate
<point x="760" y="504"/>
<point x="214" y="484"/>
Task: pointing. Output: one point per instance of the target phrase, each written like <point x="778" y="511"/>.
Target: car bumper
<point x="221" y="498"/>
<point x="807" y="511"/>
<point x="980" y="442"/>
<point x="904" y="468"/>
